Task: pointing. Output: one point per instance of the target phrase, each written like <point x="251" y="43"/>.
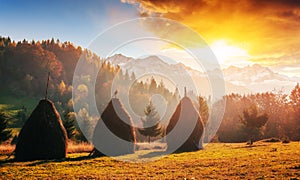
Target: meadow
<point x="217" y="161"/>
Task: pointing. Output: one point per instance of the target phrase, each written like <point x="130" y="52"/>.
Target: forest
<point x="24" y="66"/>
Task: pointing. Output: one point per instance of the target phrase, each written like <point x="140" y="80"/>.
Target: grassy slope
<point x="8" y="101"/>
<point x="11" y="106"/>
<point x="217" y="161"/>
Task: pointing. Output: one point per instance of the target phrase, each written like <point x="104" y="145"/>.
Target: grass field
<point x="216" y="161"/>
<point x="11" y="102"/>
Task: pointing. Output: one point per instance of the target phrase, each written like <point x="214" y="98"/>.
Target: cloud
<point x="263" y="27"/>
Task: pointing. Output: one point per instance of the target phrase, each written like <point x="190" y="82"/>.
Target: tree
<point x="153" y="85"/>
<point x="4" y="133"/>
<point x="203" y="109"/>
<point x="176" y="95"/>
<point x="21" y="117"/>
<point x="151" y="124"/>
<point x="295" y="104"/>
<point x="132" y="77"/>
<point x="84" y="131"/>
<point x="253" y="122"/>
<point x="295" y="97"/>
<point x="204" y="114"/>
<point x="52" y="41"/>
<point x="69" y="123"/>
<point x="126" y="76"/>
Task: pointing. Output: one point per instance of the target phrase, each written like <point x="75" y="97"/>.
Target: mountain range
<point x="243" y="80"/>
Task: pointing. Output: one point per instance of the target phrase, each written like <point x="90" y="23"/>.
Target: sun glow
<point x="227" y="54"/>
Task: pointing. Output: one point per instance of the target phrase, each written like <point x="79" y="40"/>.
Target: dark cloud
<point x="190" y="6"/>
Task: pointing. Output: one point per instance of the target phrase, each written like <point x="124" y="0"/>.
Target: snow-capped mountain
<point x="255" y="78"/>
<point x="252" y="74"/>
<point x="119" y="59"/>
<point x="259" y="79"/>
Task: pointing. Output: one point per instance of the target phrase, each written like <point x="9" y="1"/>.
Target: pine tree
<point x="204" y="114"/>
<point x="176" y="95"/>
<point x="69" y="124"/>
<point x="20" y="117"/>
<point x="203" y="109"/>
<point x="153" y="85"/>
<point x="151" y="124"/>
<point x="4" y="133"/>
<point x="132" y="77"/>
<point x="52" y="41"/>
<point x="126" y="76"/>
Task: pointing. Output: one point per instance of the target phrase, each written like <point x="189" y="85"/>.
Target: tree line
<point x="260" y="116"/>
<point x="23" y="71"/>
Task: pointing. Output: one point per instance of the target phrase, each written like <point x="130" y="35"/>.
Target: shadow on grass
<point x="153" y="154"/>
<point x="148" y="155"/>
<point x="38" y="162"/>
<point x="80" y="158"/>
<point x="5" y="161"/>
<point x="252" y="146"/>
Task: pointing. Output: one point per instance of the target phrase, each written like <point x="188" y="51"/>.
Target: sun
<point x="227" y="54"/>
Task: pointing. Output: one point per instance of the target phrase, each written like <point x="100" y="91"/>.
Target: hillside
<point x="24" y="67"/>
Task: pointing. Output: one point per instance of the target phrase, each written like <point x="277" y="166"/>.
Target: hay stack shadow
<point x="43" y="135"/>
<point x="187" y="112"/>
<point x="114" y="133"/>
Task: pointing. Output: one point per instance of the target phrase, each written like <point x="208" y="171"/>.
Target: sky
<point x="240" y="33"/>
<point x="77" y="21"/>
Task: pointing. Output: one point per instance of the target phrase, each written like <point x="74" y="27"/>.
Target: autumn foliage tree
<point x="253" y="122"/>
<point x="295" y="121"/>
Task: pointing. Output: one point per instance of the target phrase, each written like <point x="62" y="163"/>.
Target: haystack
<point x="114" y="133"/>
<point x="192" y="124"/>
<point x="43" y="136"/>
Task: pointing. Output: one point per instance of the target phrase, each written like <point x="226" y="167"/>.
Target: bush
<point x="286" y="140"/>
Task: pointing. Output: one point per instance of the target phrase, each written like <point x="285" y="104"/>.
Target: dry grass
<point x="82" y="147"/>
<point x="73" y="147"/>
<point x="6" y="149"/>
<point x="216" y="161"/>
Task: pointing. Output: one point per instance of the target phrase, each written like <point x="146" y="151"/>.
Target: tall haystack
<point x="191" y="124"/>
<point x="114" y="133"/>
<point x="43" y="136"/>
